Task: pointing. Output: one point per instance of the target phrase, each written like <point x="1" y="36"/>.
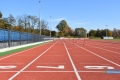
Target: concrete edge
<point x="20" y="46"/>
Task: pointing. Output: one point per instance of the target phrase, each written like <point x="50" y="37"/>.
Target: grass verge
<point x="19" y="49"/>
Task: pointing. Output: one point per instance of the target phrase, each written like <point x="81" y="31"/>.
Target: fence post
<point x="20" y="38"/>
<point x="27" y="38"/>
<point x="9" y="38"/>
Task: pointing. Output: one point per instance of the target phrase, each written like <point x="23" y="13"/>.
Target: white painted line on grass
<point x="30" y="63"/>
<point x="73" y="65"/>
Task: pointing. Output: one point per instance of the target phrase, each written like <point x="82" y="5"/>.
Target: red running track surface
<point x="73" y="56"/>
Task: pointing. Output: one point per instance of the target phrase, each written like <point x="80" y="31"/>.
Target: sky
<point x="88" y="14"/>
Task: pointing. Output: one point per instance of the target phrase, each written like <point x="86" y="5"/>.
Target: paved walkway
<point x="20" y="46"/>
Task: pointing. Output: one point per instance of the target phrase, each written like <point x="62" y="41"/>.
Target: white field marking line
<point x="49" y="71"/>
<point x="58" y="67"/>
<point x="98" y="67"/>
<point x="94" y="63"/>
<point x="103" y="49"/>
<point x="72" y="48"/>
<point x="30" y="63"/>
<point x="99" y="56"/>
<point x="11" y="63"/>
<point x="92" y="71"/>
<point x="7" y="67"/>
<point x="51" y="63"/>
<point x="54" y="55"/>
<point x="110" y="43"/>
<point x="19" y="52"/>
<point x="76" y="72"/>
<point x="27" y="55"/>
<point x="83" y="55"/>
<point x="107" y="46"/>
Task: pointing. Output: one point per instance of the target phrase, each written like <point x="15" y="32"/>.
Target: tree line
<point x="65" y="30"/>
<point x="105" y="32"/>
<point x="32" y="24"/>
<point x="25" y="23"/>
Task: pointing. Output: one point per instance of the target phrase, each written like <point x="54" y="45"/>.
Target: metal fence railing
<point x="10" y="38"/>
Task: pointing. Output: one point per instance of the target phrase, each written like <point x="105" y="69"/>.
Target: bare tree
<point x="34" y="22"/>
<point x="44" y="24"/>
<point x="11" y="20"/>
<point x="115" y="33"/>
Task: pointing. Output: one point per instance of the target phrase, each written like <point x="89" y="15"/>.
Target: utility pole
<point x="106" y="30"/>
<point x="39" y="18"/>
<point x="50" y="26"/>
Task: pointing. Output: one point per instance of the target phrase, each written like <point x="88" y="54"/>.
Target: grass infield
<point x="19" y="49"/>
<point x="107" y="39"/>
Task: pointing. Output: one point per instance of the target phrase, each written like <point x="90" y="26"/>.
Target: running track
<point x="63" y="60"/>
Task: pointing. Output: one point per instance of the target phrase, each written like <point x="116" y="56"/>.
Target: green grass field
<point x="19" y="49"/>
<point x="106" y="39"/>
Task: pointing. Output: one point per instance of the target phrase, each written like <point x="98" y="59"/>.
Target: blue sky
<point x="89" y="14"/>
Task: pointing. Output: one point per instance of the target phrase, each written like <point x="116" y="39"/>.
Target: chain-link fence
<point x="10" y="38"/>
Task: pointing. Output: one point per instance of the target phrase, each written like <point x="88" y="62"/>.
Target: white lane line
<point x="73" y="65"/>
<point x="92" y="71"/>
<point x="103" y="49"/>
<point x="29" y="63"/>
<point x="106" y="46"/>
<point x="99" y="56"/>
<point x="83" y="55"/>
<point x="58" y="67"/>
<point x="54" y="55"/>
<point x="7" y="67"/>
<point x="98" y="67"/>
<point x="94" y="63"/>
<point x="51" y="63"/>
<point x="19" y="52"/>
<point x="50" y="71"/>
<point x="10" y="63"/>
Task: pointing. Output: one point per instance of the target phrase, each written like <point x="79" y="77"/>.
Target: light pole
<point x="106" y="30"/>
<point x="50" y="26"/>
<point x="86" y="34"/>
<point x="39" y="18"/>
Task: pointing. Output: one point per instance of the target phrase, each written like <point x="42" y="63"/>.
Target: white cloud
<point x="57" y="19"/>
